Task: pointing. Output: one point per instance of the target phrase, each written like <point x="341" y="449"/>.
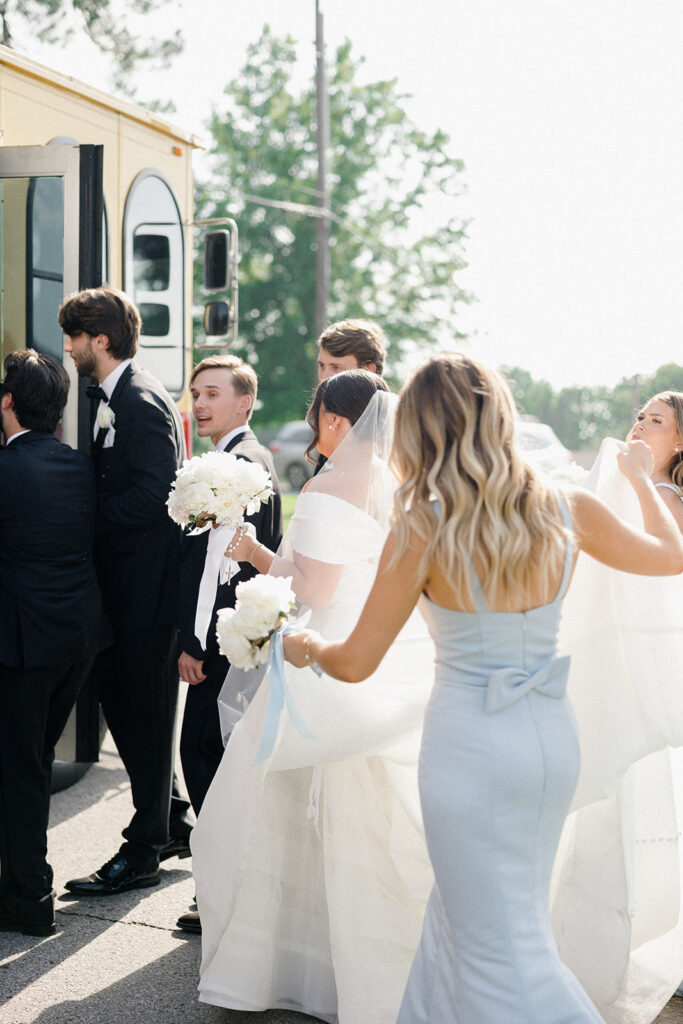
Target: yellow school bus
<point x="94" y="189"/>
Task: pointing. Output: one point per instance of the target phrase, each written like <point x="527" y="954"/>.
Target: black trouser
<point x="35" y="704"/>
<point x="138" y="688"/>
<point x="201" y="743"/>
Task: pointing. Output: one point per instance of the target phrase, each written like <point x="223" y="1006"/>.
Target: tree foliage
<point x="583" y="416"/>
<point x="383" y="171"/>
<point x="104" y="22"/>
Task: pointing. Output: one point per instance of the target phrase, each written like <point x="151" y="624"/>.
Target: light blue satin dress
<point x="498" y="767"/>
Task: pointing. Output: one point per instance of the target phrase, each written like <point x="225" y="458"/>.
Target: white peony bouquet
<point x="263" y="605"/>
<point x="217" y="487"/>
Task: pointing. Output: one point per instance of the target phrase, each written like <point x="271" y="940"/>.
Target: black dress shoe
<point x="117" y="875"/>
<point x="190" y="922"/>
<point x="14" y="923"/>
<point x="177" y="846"/>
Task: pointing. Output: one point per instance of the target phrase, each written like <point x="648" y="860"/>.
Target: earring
<point x="331" y="426"/>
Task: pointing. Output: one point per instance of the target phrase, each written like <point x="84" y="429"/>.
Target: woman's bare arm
<point x="393" y="596"/>
<point x="601" y="534"/>
<point x="313" y="582"/>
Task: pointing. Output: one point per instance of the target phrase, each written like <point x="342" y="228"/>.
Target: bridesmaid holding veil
<point x="310" y="863"/>
<point x="487" y="549"/>
<point x="660" y="425"/>
<point x="617" y="897"/>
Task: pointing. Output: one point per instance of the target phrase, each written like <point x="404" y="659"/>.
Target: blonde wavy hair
<point x="454" y="440"/>
<point x="674" y="399"/>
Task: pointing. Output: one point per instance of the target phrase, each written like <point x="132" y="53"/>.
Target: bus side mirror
<point x="220" y="243"/>
<point x="216" y="261"/>
<point x="216" y="319"/>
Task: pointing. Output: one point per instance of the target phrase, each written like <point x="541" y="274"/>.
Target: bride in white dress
<point x="310" y="866"/>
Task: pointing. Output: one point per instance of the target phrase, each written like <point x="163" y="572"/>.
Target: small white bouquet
<point x="219" y="488"/>
<point x="263" y="605"/>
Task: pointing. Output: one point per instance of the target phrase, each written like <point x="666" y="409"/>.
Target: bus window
<point x="153" y="275"/>
<point x="44" y="264"/>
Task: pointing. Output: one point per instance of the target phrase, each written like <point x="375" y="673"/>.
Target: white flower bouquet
<point x="263" y="605"/>
<point x="219" y="488"/>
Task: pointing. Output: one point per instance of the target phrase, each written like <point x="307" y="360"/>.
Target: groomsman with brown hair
<point x="137" y="448"/>
<point x="351" y="345"/>
<point x="224" y="390"/>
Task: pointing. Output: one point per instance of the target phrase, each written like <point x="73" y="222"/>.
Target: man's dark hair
<point x="39" y="386"/>
<point x="346" y="394"/>
<point x="103" y="311"/>
<point x="360" y="338"/>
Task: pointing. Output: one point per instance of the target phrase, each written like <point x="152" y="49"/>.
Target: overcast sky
<point x="568" y="118"/>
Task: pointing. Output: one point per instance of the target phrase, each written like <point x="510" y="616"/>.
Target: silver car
<point x="287" y="449"/>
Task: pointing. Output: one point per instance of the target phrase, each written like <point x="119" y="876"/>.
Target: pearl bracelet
<point x="251" y="556"/>
<point x="239" y="533"/>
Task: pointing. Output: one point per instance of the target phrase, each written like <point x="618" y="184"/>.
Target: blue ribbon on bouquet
<point x="278" y="691"/>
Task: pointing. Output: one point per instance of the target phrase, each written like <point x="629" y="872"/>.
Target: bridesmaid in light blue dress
<point x="498" y="768"/>
<point x="489" y="562"/>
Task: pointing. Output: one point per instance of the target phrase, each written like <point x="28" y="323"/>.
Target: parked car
<point x="288" y="448"/>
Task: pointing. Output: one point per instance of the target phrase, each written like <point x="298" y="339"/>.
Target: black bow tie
<point x="95" y="392"/>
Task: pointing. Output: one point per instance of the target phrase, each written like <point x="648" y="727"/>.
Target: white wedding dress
<point x="311" y="868"/>
<point x="617" y="908"/>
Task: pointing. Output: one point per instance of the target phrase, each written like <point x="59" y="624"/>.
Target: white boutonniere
<point x="106" y="417"/>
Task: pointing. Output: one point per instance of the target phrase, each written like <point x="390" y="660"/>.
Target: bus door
<point x="51" y="244"/>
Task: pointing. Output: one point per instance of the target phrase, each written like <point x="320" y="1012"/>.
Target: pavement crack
<point x="116" y="920"/>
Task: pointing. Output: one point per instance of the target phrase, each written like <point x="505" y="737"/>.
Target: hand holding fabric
<point x="635" y="460"/>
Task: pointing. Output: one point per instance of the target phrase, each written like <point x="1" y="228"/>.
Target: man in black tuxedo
<point x="224" y="392"/>
<point x="49" y="614"/>
<point x="138" y="446"/>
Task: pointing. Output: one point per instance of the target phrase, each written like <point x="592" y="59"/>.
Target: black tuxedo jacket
<point x="137" y="549"/>
<point x="268" y="525"/>
<point x="49" y="599"/>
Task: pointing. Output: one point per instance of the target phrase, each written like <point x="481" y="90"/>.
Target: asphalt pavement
<point x="118" y="959"/>
<point x="114" y="959"/>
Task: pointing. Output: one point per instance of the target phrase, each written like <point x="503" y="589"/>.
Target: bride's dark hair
<point x="346" y="394"/>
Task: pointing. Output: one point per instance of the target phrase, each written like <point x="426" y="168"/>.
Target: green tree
<point x="383" y="171"/>
<point x="105" y="24"/>
<point x="583" y="416"/>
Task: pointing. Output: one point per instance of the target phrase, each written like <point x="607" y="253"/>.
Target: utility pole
<point x="635" y="392"/>
<point x="322" y="265"/>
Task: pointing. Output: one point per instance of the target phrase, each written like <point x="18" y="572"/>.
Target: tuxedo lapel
<point x="121" y="384"/>
<point x="244" y="435"/>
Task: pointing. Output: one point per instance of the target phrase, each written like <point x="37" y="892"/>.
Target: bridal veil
<point x="616" y="901"/>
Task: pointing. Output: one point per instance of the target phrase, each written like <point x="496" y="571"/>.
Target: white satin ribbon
<point x="217" y="569"/>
